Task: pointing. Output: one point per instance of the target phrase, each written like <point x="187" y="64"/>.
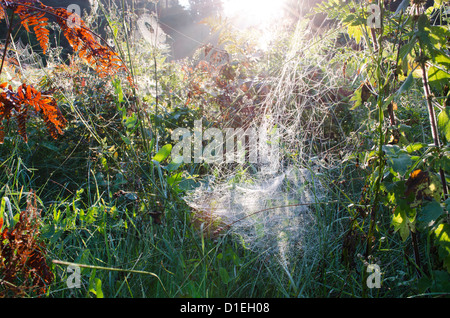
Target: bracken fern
<point x="33" y="13"/>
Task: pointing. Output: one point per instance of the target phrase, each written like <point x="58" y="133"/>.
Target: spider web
<point x="271" y="207"/>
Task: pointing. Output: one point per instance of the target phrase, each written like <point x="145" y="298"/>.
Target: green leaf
<point x="349" y="18"/>
<point x="423" y="34"/>
<point x="131" y="121"/>
<point x="406" y="84"/>
<point x="49" y="146"/>
<point x="406" y="49"/>
<point x="444" y="163"/>
<point x="104" y="162"/>
<point x="355" y="32"/>
<point x="223" y="273"/>
<point x="401" y="222"/>
<point x="415" y="147"/>
<point x="175" y="178"/>
<point x="126" y="140"/>
<point x="119" y="179"/>
<point x="443" y="59"/>
<point x="118" y="90"/>
<point x="96" y="287"/>
<point x="174" y="164"/>
<point x="430" y="213"/>
<point x="442" y="239"/>
<point x="163" y="153"/>
<point x="398" y="159"/>
<point x="444" y="122"/>
<point x="188" y="184"/>
<point x="440" y="34"/>
<point x="438" y="78"/>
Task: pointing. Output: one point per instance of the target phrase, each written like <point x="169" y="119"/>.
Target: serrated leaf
<point x="349" y="18"/>
<point x="444" y="163"/>
<point x="440" y="34"/>
<point x="444" y="122"/>
<point x="355" y="32"/>
<point x="423" y="32"/>
<point x="438" y="78"/>
<point x="397" y="159"/>
<point x="414" y="147"/>
<point x="401" y="223"/>
<point x="401" y="163"/>
<point x="430" y="213"/>
<point x="442" y="239"/>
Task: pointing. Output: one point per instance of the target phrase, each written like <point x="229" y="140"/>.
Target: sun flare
<point x="263" y="15"/>
<point x="254" y="12"/>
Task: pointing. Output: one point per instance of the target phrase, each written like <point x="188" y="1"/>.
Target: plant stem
<point x="432" y="116"/>
<point x="383" y="89"/>
<point x="416" y="253"/>
<point x="8" y="35"/>
<point x="109" y="269"/>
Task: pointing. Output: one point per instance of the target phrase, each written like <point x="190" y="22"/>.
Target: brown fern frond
<point x="7" y="105"/>
<point x="25" y="99"/>
<point x="23" y="266"/>
<point x="101" y="57"/>
<point x="2" y="13"/>
<point x="52" y="116"/>
<point x="83" y="41"/>
<point x="44" y="105"/>
<point x="21" y="118"/>
<point x="32" y="14"/>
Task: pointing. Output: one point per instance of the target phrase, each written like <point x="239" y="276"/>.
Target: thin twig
<point x="113" y="269"/>
<point x="8" y="35"/>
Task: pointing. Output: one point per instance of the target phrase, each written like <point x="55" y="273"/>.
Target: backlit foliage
<point x="26" y="99"/>
<point x="32" y="13"/>
<point x="33" y="17"/>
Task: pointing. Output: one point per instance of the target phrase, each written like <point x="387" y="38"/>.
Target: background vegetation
<point x="364" y="116"/>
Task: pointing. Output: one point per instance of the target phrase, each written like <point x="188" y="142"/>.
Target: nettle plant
<point x="406" y="55"/>
<point x="23" y="101"/>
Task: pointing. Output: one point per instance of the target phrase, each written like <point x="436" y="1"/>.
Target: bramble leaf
<point x="442" y="239"/>
<point x="444" y="122"/>
<point x="430" y="213"/>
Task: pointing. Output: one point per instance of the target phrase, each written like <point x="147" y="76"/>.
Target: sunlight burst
<point x="264" y="15"/>
<point x="254" y="12"/>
